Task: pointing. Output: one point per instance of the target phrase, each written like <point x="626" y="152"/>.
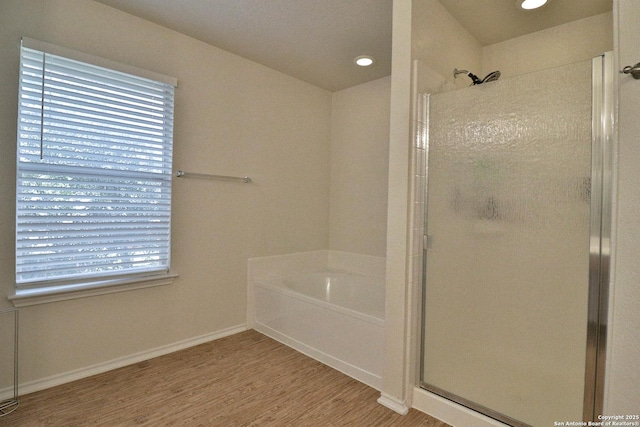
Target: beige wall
<point x="394" y="371"/>
<point x="233" y="117"/>
<point x="623" y="352"/>
<point x="359" y="168"/>
<point x="441" y="44"/>
<point x="565" y="44"/>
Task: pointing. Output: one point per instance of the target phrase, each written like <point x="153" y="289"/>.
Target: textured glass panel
<point x="507" y="269"/>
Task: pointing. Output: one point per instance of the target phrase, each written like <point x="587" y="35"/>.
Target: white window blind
<point x="94" y="158"/>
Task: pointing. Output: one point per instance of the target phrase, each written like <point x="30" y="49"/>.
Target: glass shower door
<point x="507" y="261"/>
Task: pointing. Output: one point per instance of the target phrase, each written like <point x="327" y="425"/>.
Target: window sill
<point x="24" y="298"/>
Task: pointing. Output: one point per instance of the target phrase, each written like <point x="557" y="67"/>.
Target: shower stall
<point x="515" y="249"/>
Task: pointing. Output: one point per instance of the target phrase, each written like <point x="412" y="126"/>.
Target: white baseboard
<point x="54" y="380"/>
<point x="394" y="404"/>
<point x="450" y="412"/>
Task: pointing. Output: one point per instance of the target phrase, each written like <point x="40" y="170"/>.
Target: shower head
<point x="475" y="80"/>
<point x="491" y="77"/>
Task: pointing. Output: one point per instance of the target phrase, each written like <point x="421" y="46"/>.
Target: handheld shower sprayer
<point x="493" y="76"/>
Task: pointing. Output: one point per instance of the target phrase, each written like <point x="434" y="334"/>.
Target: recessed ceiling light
<point x="531" y="4"/>
<point x="364" y="60"/>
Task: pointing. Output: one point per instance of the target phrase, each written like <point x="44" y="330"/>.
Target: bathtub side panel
<point x="344" y="342"/>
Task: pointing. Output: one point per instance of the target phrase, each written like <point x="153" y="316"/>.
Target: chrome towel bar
<point x="183" y="174"/>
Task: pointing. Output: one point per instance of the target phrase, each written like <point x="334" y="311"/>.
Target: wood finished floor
<point x="246" y="379"/>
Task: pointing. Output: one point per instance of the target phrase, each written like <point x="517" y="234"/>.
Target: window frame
<point x="45" y="291"/>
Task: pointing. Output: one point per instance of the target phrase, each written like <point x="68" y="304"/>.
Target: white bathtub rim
<point x="299" y="262"/>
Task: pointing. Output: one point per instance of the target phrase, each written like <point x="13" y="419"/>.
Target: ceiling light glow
<point x="532" y="4"/>
<point x="364" y="60"/>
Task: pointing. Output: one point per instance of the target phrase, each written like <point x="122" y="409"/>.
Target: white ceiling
<point x="317" y="40"/>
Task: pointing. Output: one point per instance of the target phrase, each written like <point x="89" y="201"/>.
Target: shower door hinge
<point x="426" y="242"/>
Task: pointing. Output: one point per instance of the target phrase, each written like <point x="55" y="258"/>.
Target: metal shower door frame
<point x="602" y="142"/>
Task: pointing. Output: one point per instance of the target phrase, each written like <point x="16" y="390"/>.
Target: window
<point x="93" y="185"/>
